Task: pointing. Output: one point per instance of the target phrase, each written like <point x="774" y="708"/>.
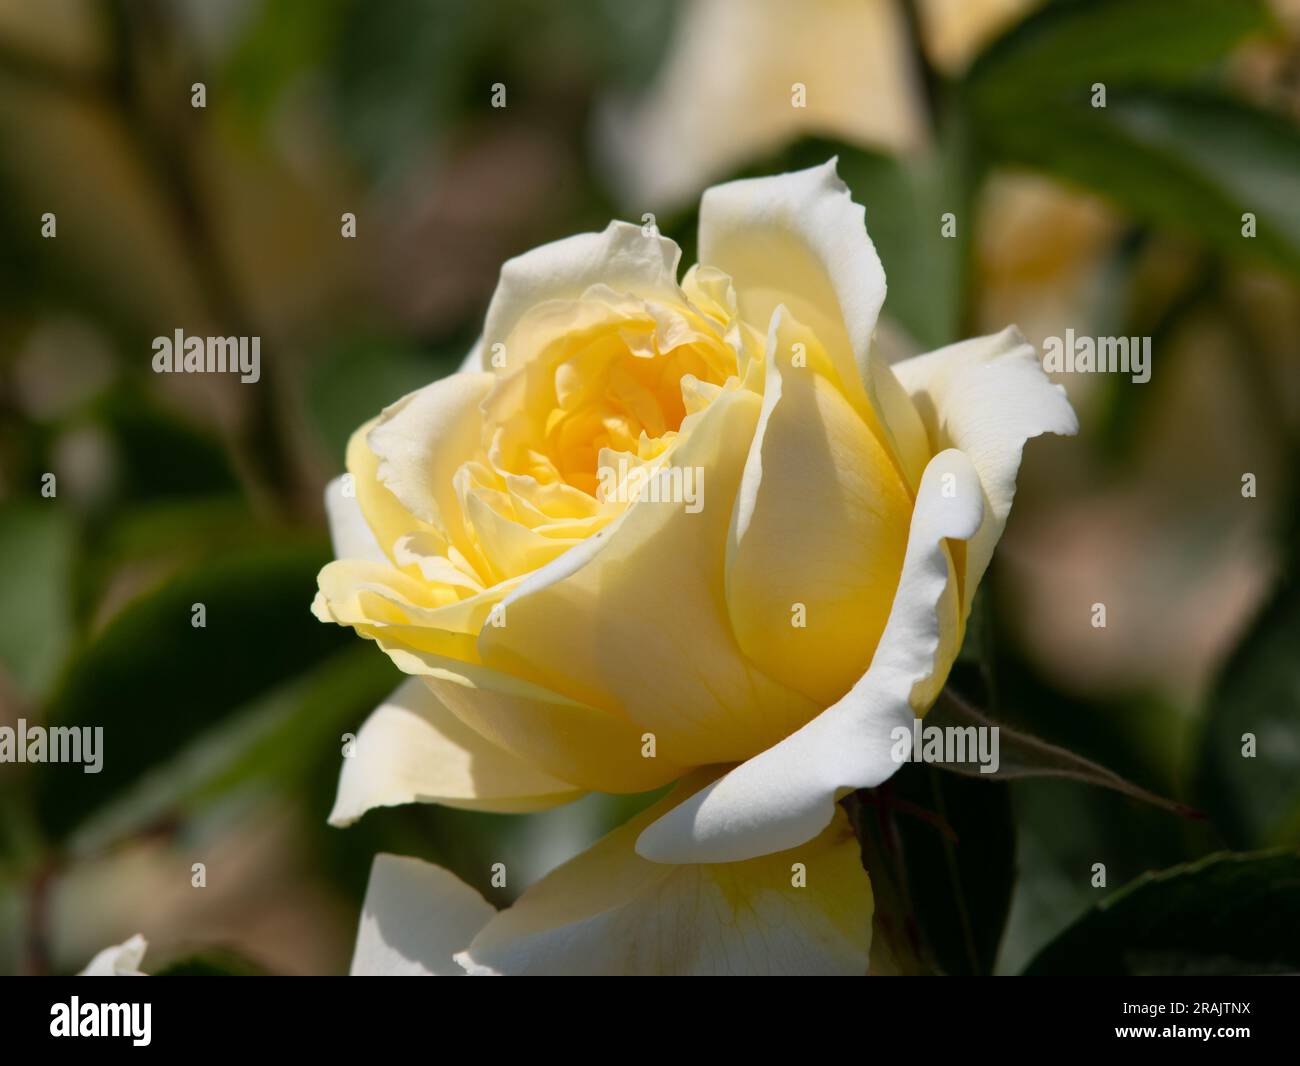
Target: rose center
<point x="615" y="393"/>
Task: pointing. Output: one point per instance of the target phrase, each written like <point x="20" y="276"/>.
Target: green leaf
<point x="1063" y="49"/>
<point x="1161" y="147"/>
<point x="1256" y="801"/>
<point x="441" y="57"/>
<point x="1194" y="164"/>
<point x="212" y="962"/>
<point x="187" y="529"/>
<point x="940" y="850"/>
<point x="1134" y="733"/>
<point x="154" y="681"/>
<point x="274" y="744"/>
<point x="37" y="543"/>
<point x="1023" y="756"/>
<point x="1226" y="914"/>
<point x="278" y="43"/>
<point x="159" y="453"/>
<point x="905" y="201"/>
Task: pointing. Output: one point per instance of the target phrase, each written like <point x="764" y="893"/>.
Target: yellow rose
<point x="659" y="530"/>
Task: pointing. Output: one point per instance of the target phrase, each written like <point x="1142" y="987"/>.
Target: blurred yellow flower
<point x="743" y="77"/>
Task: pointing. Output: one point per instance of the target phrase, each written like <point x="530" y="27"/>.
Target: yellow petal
<point x="821" y="530"/>
<point x="413" y="750"/>
<point x="621" y="258"/>
<point x="635" y="619"/>
<point x="788" y="794"/>
<point x="608" y="911"/>
<point x="413" y="451"/>
<point x="986" y="397"/>
<point x="595" y="749"/>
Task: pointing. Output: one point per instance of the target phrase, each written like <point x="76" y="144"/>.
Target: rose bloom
<point x="566" y="631"/>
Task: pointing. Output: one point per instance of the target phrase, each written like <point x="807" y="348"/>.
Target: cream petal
<point x="376" y="597"/>
<point x="787" y="794"/>
<point x="416" y="916"/>
<point x="724" y="95"/>
<point x="121" y="960"/>
<point x="987" y="396"/>
<point x="906" y="429"/>
<point x="351" y="536"/>
<point x="597" y="750"/>
<point x="594" y="748"/>
<point x="388" y="520"/>
<point x="621" y="258"/>
<point x="422" y="439"/>
<point x="413" y="750"/>
<point x="798" y="239"/>
<point x="473" y="361"/>
<point x="954" y="31"/>
<point x="512" y="546"/>
<point x="820" y="526"/>
<point x="610" y="912"/>
<point x="634" y="618"/>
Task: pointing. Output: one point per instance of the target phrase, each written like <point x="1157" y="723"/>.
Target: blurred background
<point x="223" y="743"/>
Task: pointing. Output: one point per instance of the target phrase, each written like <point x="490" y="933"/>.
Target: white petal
<point x="987" y="396"/>
<point x="608" y="911"/>
<point x="351" y="536"/>
<point x="799" y="239"/>
<point x="413" y="750"/>
<point x="422" y="439"/>
<point x="622" y="257"/>
<point x="121" y="960"/>
<point x="416" y="916"/>
<point x="473" y="361"/>
<point x="786" y="795"/>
